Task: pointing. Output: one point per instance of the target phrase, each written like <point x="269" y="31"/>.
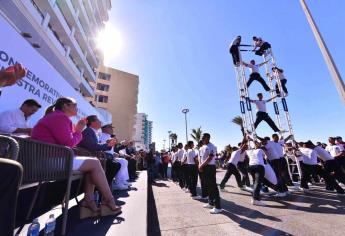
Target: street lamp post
<point x="169" y="132"/>
<point x="339" y="83"/>
<point x="185" y="111"/>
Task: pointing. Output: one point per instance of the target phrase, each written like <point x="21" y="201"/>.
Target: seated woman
<point x="57" y="128"/>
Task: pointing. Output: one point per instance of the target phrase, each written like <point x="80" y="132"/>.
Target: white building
<point x="143" y="131"/>
<point x="64" y="33"/>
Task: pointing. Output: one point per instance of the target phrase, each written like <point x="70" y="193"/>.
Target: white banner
<point x="42" y="82"/>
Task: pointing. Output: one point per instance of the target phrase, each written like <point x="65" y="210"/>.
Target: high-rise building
<point x="143" y="131"/>
<point x="117" y="92"/>
<point x="64" y="32"/>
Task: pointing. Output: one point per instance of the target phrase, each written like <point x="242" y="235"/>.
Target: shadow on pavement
<point x="153" y="228"/>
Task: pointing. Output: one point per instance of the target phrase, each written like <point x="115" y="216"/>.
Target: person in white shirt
<point x="207" y="165"/>
<point x="16" y="121"/>
<point x="180" y="153"/>
<point x="330" y="165"/>
<point x="255" y="75"/>
<point x="122" y="176"/>
<point x="261" y="44"/>
<point x="237" y="155"/>
<point x="174" y="164"/>
<point x="234" y="50"/>
<point x="262" y="114"/>
<point x="184" y="169"/>
<point x="309" y="165"/>
<point x="279" y="73"/>
<point x="257" y="170"/>
<point x="192" y="168"/>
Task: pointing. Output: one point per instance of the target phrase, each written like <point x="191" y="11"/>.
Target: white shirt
<point x="103" y="139"/>
<point x="273" y="151"/>
<point x="184" y="157"/>
<point x="179" y="154"/>
<point x="173" y="156"/>
<point x="334" y="150"/>
<point x="11" y="120"/>
<point x="236" y="157"/>
<point x="309" y="156"/>
<point x="253" y="68"/>
<point x="323" y="154"/>
<point x="190" y="157"/>
<point x="341" y="147"/>
<point x="207" y="150"/>
<point x="260" y="105"/>
<point x="256" y="157"/>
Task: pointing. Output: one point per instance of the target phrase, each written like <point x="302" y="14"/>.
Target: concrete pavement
<point x="315" y="213"/>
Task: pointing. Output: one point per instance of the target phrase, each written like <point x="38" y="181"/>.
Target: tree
<point x="238" y="121"/>
<point x="196" y="134"/>
<point x="173" y="138"/>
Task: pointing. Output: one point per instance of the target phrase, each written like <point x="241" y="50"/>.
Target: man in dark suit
<point x="91" y="142"/>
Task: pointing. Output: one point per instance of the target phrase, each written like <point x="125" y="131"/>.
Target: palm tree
<point x="196" y="134"/>
<point x="238" y="121"/>
<point x="173" y="138"/>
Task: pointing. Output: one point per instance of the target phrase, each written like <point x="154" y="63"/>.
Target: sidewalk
<point x="316" y="213"/>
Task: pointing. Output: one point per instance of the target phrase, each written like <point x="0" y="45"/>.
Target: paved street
<point x="315" y="213"/>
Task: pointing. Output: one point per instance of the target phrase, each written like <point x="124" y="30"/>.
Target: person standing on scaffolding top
<point x="262" y="113"/>
<point x="261" y="44"/>
<point x="234" y="50"/>
<point x="255" y="75"/>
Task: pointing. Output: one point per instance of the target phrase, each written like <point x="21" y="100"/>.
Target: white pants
<point x="122" y="174"/>
<point x="270" y="175"/>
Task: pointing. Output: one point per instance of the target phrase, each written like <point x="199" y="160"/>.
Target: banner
<point x="42" y="82"/>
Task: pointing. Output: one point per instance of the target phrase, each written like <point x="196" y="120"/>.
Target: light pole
<point x="164" y="144"/>
<point x="169" y="132"/>
<point x="185" y="111"/>
<point x="339" y="83"/>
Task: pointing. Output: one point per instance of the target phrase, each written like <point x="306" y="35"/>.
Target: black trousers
<point x="175" y="171"/>
<point x="256" y="76"/>
<point x="258" y="173"/>
<point x="235" y="54"/>
<point x="263" y="48"/>
<point x="231" y="170"/>
<point x="181" y="175"/>
<point x="184" y="177"/>
<point x="132" y="168"/>
<point x="283" y="83"/>
<point x="260" y="116"/>
<point x="307" y="172"/>
<point x="164" y="172"/>
<point x="204" y="190"/>
<point x="243" y="168"/>
<point x="11" y="176"/>
<point x="192" y="178"/>
<point x="280" y="170"/>
<point x="112" y="168"/>
<point x="329" y="167"/>
<point x="211" y="185"/>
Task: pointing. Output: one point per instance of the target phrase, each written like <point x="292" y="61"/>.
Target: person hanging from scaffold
<point x="280" y="75"/>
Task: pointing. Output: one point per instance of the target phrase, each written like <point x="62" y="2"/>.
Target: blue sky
<point x="179" y="49"/>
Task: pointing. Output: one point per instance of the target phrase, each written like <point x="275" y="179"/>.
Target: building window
<point x="103" y="87"/>
<point x="102" y="98"/>
<point x="104" y="76"/>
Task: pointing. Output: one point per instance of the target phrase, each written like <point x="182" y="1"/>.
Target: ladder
<point x="245" y="104"/>
<point x="283" y="119"/>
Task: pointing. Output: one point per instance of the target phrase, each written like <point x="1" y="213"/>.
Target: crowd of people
<point x="56" y="127"/>
<point x="282" y="165"/>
